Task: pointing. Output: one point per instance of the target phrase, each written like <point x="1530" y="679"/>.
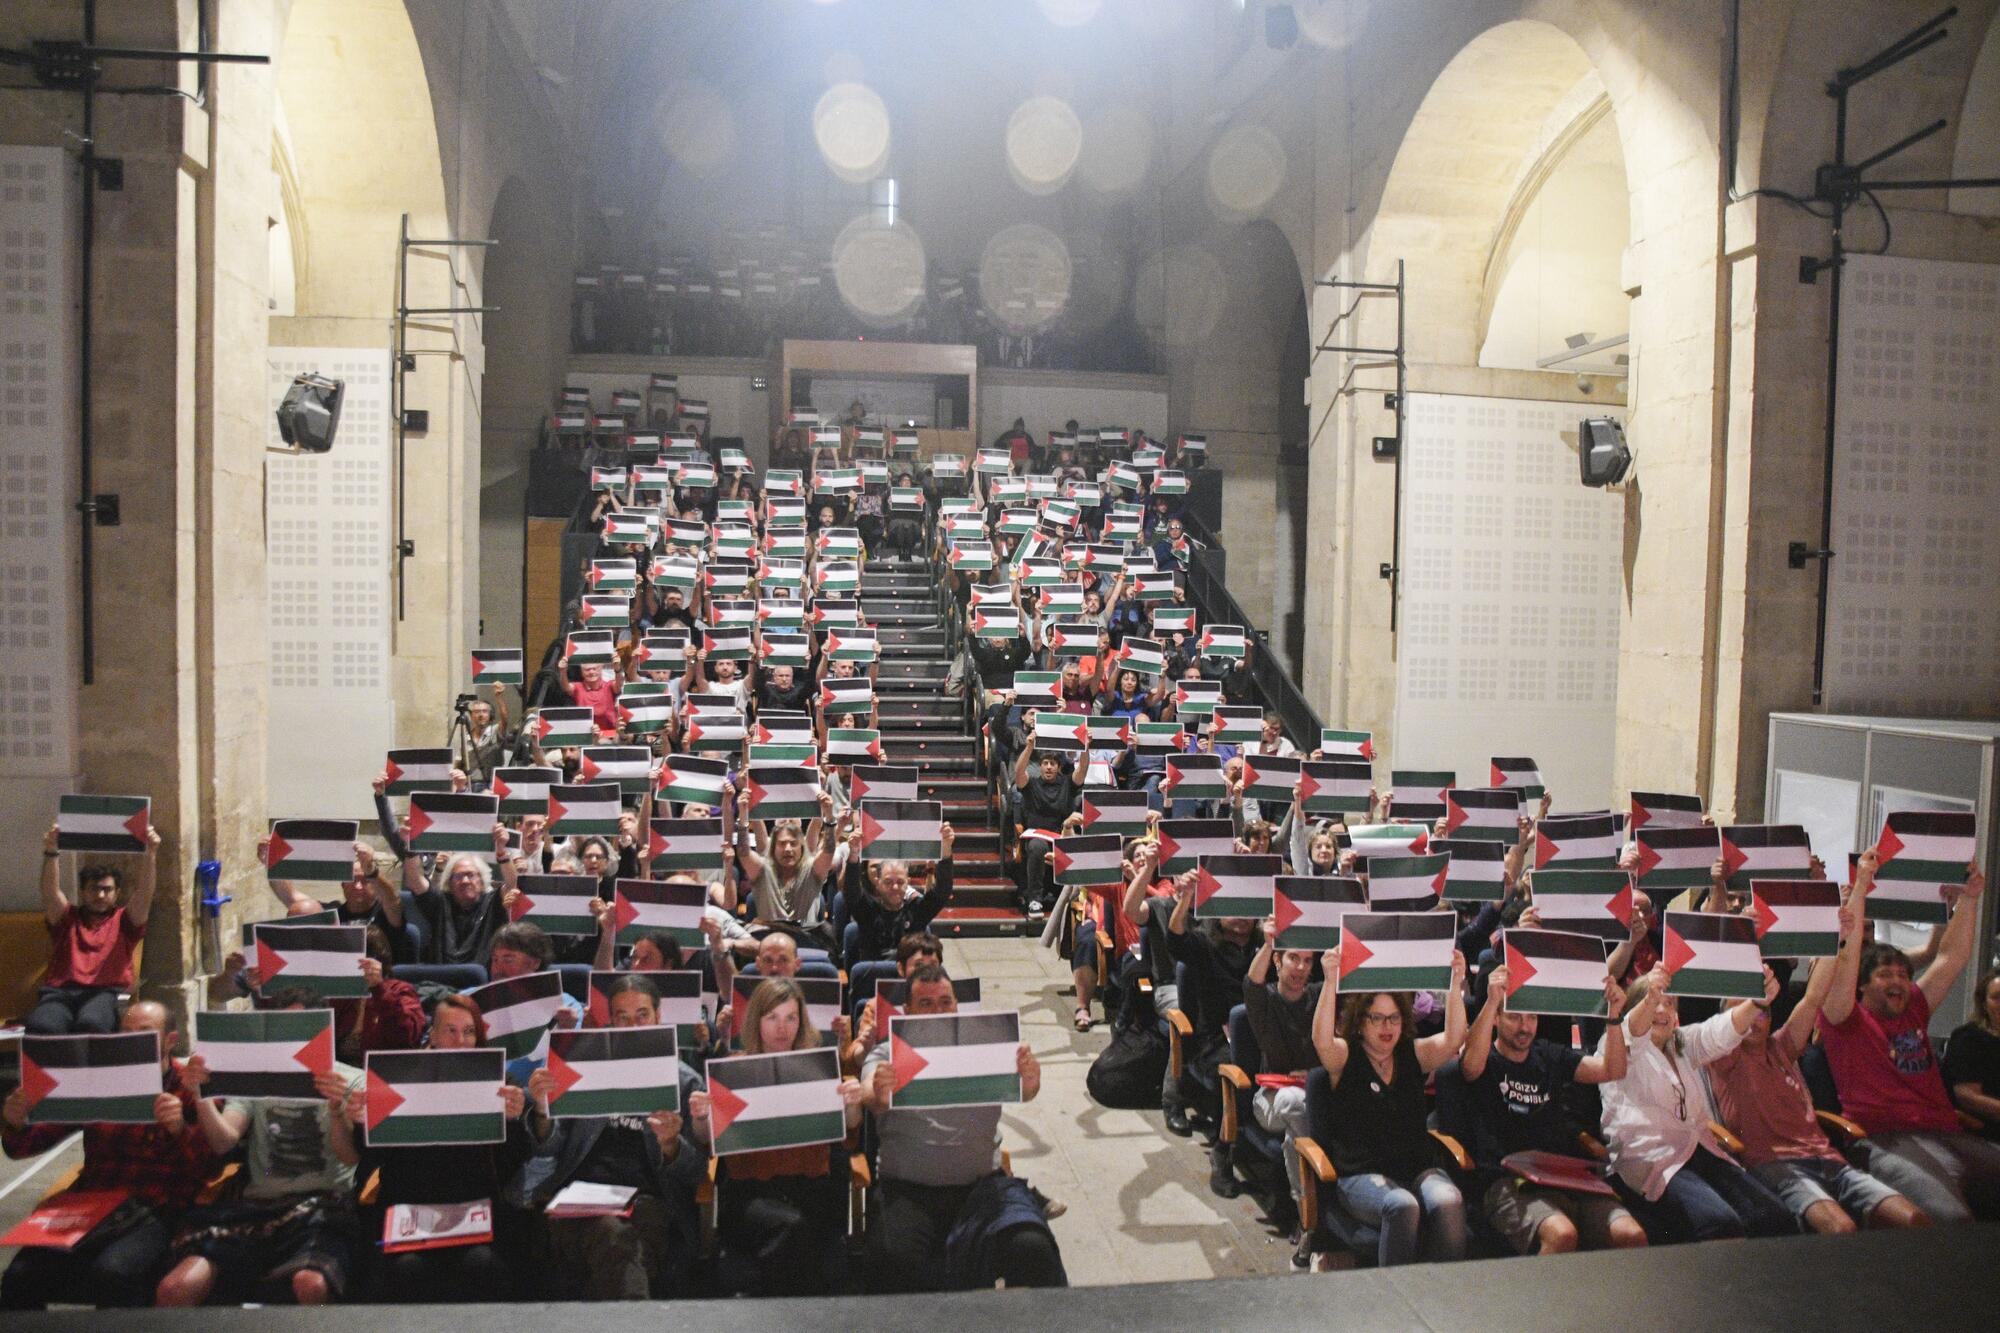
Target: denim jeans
<point x="1432" y="1212"/>
<point x="1714" y="1199"/>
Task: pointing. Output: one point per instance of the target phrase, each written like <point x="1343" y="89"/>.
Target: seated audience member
<point x="1105" y="918"/>
<point x="1519" y="1084"/>
<point x="520" y="950"/>
<point x="1765" y="1102"/>
<point x="460" y="919"/>
<point x="1879" y="1047"/>
<point x="1381" y="1149"/>
<point x="938" y="1170"/>
<point x="1216" y="956"/>
<point x="1049" y="794"/>
<point x="916" y="950"/>
<point x="883" y="908"/>
<point x="91" y="941"/>
<point x="652" y="1251"/>
<point x="787" y="867"/>
<point x="292" y="1235"/>
<point x="1149" y="904"/>
<point x="160" y="1167"/>
<point x="1659" y="1123"/>
<point x="452" y="1174"/>
<point x="1972" y="1058"/>
<point x="782" y="1213"/>
<point x="1281" y="1013"/>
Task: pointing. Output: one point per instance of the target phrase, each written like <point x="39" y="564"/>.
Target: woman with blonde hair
<point x="781" y="1214"/>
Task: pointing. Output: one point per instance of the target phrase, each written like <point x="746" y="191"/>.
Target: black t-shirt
<point x="1518" y="1107"/>
<point x="1045" y="805"/>
<point x="770" y="697"/>
<point x="1377" y="1126"/>
<point x="455" y="934"/>
<point x="1216" y="966"/>
<point x="1283" y="1027"/>
<point x="1973" y="1056"/>
<point x="619" y="1155"/>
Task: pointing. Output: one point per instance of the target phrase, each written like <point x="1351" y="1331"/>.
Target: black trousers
<point x="119" y="1272"/>
<point x="783" y="1237"/>
<point x="906" y="1239"/>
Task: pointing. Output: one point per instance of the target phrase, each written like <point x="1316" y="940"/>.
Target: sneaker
<point x="1051" y="1208"/>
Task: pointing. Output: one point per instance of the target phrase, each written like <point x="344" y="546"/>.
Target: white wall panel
<point x="1508" y="629"/>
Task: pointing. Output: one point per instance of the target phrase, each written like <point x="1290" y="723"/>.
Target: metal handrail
<point x="1211" y="596"/>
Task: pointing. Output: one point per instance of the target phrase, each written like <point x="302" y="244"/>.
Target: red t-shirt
<point x="1886" y="1071"/>
<point x="1106" y="904"/>
<point x="85" y="953"/>
<point x="602" y="702"/>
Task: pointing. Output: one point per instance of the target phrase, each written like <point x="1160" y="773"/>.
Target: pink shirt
<point x="1764" y="1099"/>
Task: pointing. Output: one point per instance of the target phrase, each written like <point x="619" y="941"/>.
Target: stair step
<point x="965" y="923"/>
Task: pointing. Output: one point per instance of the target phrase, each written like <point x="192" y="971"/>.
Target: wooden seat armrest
<point x="1459" y="1156"/>
<point x="1179" y="1029"/>
<point x="1830" y="1120"/>
<point x="1315" y="1175"/>
<point x="370" y="1192"/>
<point x="1240" y="1082"/>
<point x="1970" y="1122"/>
<point x="1592" y="1146"/>
<point x="1729" y="1141"/>
<point x="858" y="1175"/>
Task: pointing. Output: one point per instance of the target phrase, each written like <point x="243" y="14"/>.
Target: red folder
<point x="1554" y="1171"/>
<point x="64" y="1220"/>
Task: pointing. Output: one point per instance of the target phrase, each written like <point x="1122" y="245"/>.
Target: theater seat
<point x="1320" y="1209"/>
<point x="1254" y="1150"/>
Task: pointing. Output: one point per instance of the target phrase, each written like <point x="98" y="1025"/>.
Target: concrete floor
<point x="1140" y="1209"/>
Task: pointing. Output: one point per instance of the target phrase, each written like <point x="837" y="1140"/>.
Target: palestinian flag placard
<point x="790" y="1099"/>
<point x="642" y="905"/>
<point x="100" y="1079"/>
<point x="1169" y="482"/>
<point x="836" y="480"/>
<point x="726" y="643"/>
<point x="1554" y="972"/>
<point x="1270" y="777"/>
<point x="691" y="779"/>
<point x="839" y="544"/>
<point x="1196" y="698"/>
<point x="803" y="756"/>
<point x="619" y="574"/>
<point x="1158" y="737"/>
<point x="1045" y="574"/>
<point x="686" y="844"/>
<point x="408" y="771"/>
<point x="683" y="1005"/>
<point x="691" y="533"/>
<point x="422" y="1099"/>
<point x="1122" y="526"/>
<point x="560" y="728"/>
<point x="1157" y="585"/>
<point x="597" y="611"/>
<point x="324" y="959"/>
<point x="1483" y="812"/>
<point x="247" y="931"/>
<point x="835" y="613"/>
<point x="715" y="729"/>
<point x="1712" y="956"/>
<point x="1673" y="859"/>
<point x="941" y="1060"/>
<point x="1015" y="522"/>
<point x="519" y="1010"/>
<point x="1921" y="853"/>
<point x="1309" y="908"/>
<point x="660" y="654"/>
<point x="1235" y="885"/>
<point x="653" y="478"/>
<point x="581" y="809"/>
<point x="733" y="543"/>
<point x="1173" y="620"/>
<point x="852" y="645"/>
<point x="590" y="647"/>
<point x="695" y="474"/>
<point x="1089" y="859"/>
<point x="846" y="744"/>
<point x="1796" y="918"/>
<point x="1122" y="813"/>
<point x="1228" y="641"/>
<point x="727" y="578"/>
<point x="1145" y="656"/>
<point x="1000" y="622"/>
<point x="319" y="851"/>
<point x="1037" y="687"/>
<point x="109" y="824"/>
<point x="1594" y="902"/>
<point x="1577" y="842"/>
<point x="1477" y="870"/>
<point x="1060" y="733"/>
<point x="1665" y="810"/>
<point x="846" y="694"/>
<point x="1418" y="794"/>
<point x="1406" y="883"/>
<point x="641" y="713"/>
<point x="825" y="1002"/>
<point x="497" y="666"/>
<point x="1337" y="744"/>
<point x="789" y="575"/>
<point x="782" y="613"/>
<point x="559" y="904"/>
<point x="1765" y="851"/>
<point x="1194" y="777"/>
<point x="906" y="499"/>
<point x="1184" y="842"/>
<point x="969" y="554"/>
<point x="901" y="830"/>
<point x="272" y="1053"/>
<point x="784" y="727"/>
<point x="786" y="649"/>
<point x="1396" y="951"/>
<point x="1072" y="639"/>
<point x="443" y="821"/>
<point x="892" y="997"/>
<point x="990" y="595"/>
<point x="627" y="529"/>
<point x="1521" y="773"/>
<point x="882" y="782"/>
<point x="1336" y="786"/>
<point x="1371" y="840"/>
<point x="607" y="479"/>
<point x="614" y="1071"/>
<point x="1236" y="725"/>
<point x="775" y="792"/>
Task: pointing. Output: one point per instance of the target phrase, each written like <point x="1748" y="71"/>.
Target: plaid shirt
<point x="157" y="1168"/>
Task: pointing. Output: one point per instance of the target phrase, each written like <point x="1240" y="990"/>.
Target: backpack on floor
<point x="1128" y="1074"/>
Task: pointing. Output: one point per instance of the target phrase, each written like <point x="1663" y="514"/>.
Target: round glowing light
<point x="851" y="126"/>
<point x="1069" y="13"/>
<point x="1332" y="24"/>
<point x="1117" y="151"/>
<point x="1245" y="168"/>
<point x="1024" y="276"/>
<point x="1044" y="139"/>
<point x="879" y="271"/>
<point x="1179" y="294"/>
<point x="697" y="127"/>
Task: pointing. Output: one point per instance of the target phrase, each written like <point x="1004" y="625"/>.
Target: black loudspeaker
<point x="1281" y="27"/>
<point x="309" y="416"/>
<point x="1601" y="455"/>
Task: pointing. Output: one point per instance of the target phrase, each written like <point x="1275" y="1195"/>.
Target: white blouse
<point x="1659" y="1113"/>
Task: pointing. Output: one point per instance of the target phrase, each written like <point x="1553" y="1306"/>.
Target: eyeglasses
<point x="1381" y="1020"/>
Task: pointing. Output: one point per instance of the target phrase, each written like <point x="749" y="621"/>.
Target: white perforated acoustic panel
<point x="327" y="534"/>
<point x="1507" y="638"/>
<point x="40" y="659"/>
<point x="1911" y="629"/>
